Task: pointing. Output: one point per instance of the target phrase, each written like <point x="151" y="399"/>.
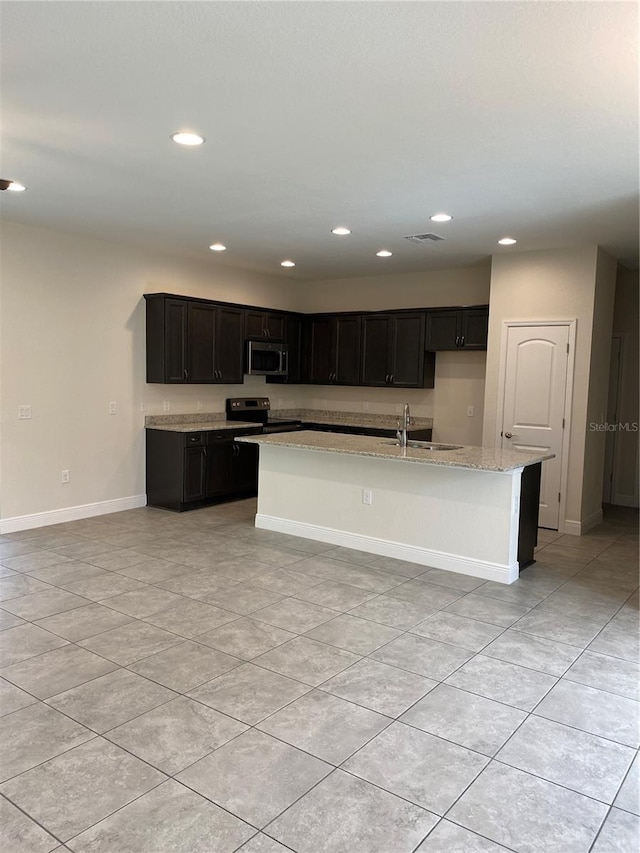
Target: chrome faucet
<point x="401" y="434"/>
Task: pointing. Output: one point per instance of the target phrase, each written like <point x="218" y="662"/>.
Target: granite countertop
<point x="193" y="423"/>
<point x="478" y="458"/>
<point x="356" y="419"/>
<point x="218" y="420"/>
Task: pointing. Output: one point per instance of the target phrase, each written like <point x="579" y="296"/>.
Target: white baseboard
<point x="578" y="528"/>
<point x="625" y="500"/>
<point x="385" y="548"/>
<point x="70" y="513"/>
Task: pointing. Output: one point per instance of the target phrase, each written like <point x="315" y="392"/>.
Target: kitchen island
<point x="469" y="509"/>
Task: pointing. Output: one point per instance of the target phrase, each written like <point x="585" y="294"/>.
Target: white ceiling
<point x="519" y="118"/>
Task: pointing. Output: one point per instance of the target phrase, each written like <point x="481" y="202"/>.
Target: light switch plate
<point x="24" y="413"/>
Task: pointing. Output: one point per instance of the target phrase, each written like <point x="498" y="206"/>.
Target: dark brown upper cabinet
<point x="264" y="325"/>
<point x="333" y="348"/>
<point x="296" y="356"/>
<point x="393" y="351"/>
<point x="195" y="342"/>
<point x="457" y="328"/>
<point x="229" y="345"/>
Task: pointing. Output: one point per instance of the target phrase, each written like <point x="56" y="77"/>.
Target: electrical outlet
<point x="113" y="408"/>
<point x="470" y="411"/>
<point x="24" y="413"/>
<point x="367" y="497"/>
<point x="65" y="476"/>
<point x="166" y="406"/>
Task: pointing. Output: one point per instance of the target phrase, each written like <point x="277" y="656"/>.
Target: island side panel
<point x="529" y="511"/>
<point x="459" y="519"/>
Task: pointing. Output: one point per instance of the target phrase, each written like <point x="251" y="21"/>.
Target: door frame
<point x="612" y="437"/>
<point x="571" y="324"/>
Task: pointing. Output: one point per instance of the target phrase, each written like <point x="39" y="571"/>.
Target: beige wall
<point x="625" y="324"/>
<point x="467" y="286"/>
<point x="595" y="441"/>
<point x="551" y="285"/>
<point x="73" y="340"/>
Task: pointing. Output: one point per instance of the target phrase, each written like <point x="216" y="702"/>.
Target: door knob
<point x="508" y="435"/>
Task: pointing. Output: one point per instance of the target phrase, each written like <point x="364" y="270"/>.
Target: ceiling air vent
<point x="425" y="238"/>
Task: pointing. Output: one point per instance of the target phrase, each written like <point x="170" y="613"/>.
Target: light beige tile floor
<point x="189" y="684"/>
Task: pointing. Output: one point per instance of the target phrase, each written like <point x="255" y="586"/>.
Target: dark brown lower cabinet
<point x="188" y="470"/>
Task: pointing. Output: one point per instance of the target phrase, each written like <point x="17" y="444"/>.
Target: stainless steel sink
<point x="422" y="445"/>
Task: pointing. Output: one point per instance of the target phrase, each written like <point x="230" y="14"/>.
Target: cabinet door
<point x="175" y="340"/>
<point x="201" y="338"/>
<point x="442" y="330"/>
<point x="321" y="353"/>
<point x="407" y="366"/>
<point x="219" y="468"/>
<point x="194" y="487"/>
<point x="376" y="330"/>
<point x="293" y="337"/>
<point x="475" y="327"/>
<point x="276" y="326"/>
<point x="294" y="340"/>
<point x="245" y="467"/>
<point x="229" y="345"/>
<point x="254" y="325"/>
<point x="347" y="350"/>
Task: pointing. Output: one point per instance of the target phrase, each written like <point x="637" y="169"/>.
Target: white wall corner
<point x="579" y="528"/>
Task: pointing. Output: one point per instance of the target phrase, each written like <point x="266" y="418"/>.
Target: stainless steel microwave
<point x="266" y="358"/>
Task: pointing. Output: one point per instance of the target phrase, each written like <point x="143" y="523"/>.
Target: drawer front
<point x="195" y="439"/>
<point x="216" y="436"/>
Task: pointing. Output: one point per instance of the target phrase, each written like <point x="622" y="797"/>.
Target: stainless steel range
<point x="257" y="410"/>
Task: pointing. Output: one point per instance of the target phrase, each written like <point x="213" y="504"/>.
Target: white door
<point x="534" y="404"/>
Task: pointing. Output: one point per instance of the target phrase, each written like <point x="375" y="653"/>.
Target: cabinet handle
<point x="205" y="450"/>
<point x="219" y="374"/>
<point x="457" y="341"/>
<point x="186" y="375"/>
<point x="391" y="379"/>
<point x="462" y="341"/>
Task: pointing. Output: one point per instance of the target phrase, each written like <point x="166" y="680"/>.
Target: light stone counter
<point x="355" y="419"/>
<point x="479" y="458"/>
<point x="200" y="426"/>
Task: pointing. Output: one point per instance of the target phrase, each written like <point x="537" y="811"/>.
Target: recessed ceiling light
<point x="341" y="231"/>
<point x="507" y="241"/>
<point x="287" y="263"/>
<point x="440" y="217"/>
<point x="184" y="137"/>
<point x="384" y="253"/>
<point x="218" y="247"/>
<point x="14" y="186"/>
